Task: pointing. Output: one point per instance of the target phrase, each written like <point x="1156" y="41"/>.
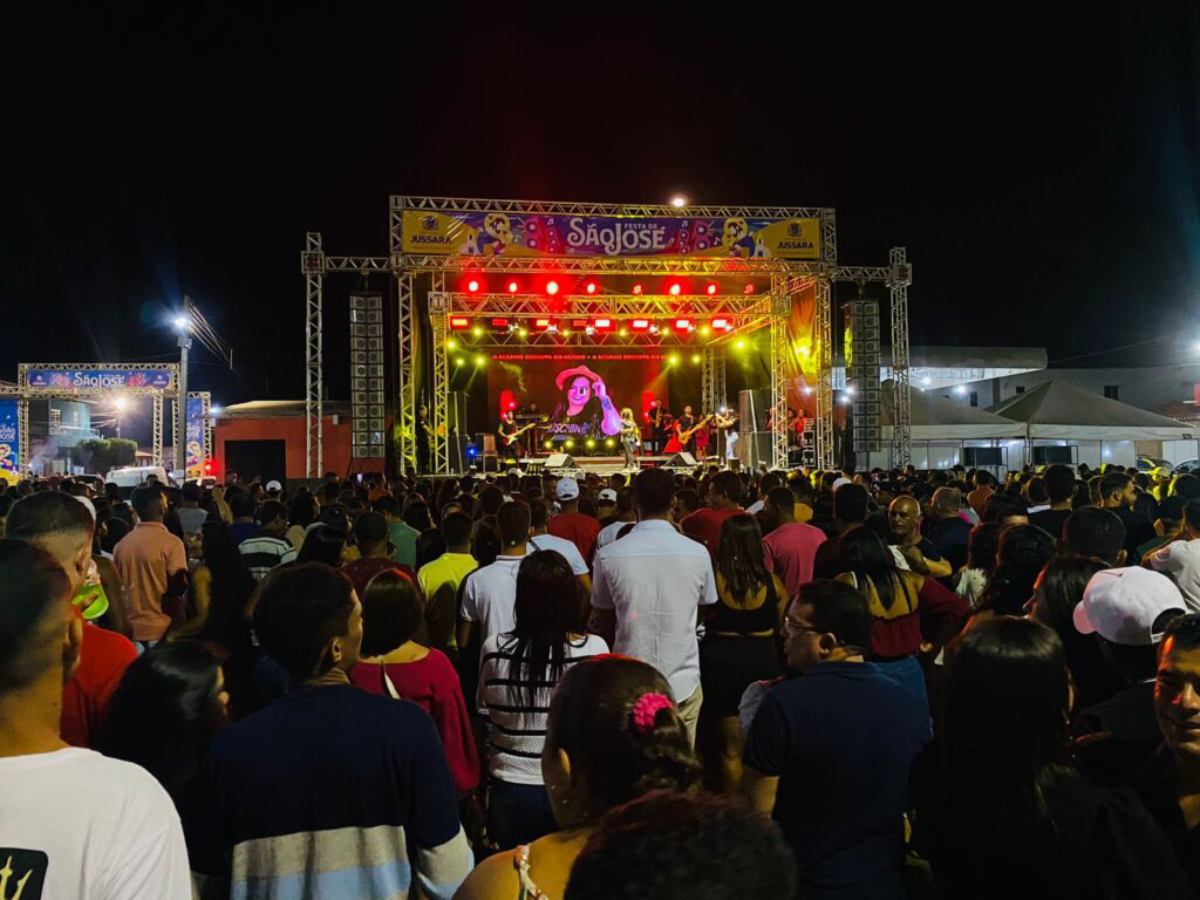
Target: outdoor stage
<point x="603" y="465"/>
<point x="568" y="300"/>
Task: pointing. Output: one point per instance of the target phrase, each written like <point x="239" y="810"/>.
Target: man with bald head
<point x="904" y="523"/>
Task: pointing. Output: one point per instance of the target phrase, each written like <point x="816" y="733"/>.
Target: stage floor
<point x="606" y="465"/>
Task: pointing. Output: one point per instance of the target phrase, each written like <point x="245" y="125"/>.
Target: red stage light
<point x="637" y="288"/>
<point x="674" y="289"/>
<point x="551" y="287"/>
<point x="721" y="323"/>
<point x="683" y="324"/>
<point x="460" y="322"/>
<point x="473" y="286"/>
<point x="748" y="289"/>
<point x="513" y="287"/>
<point x="640" y="324"/>
<point x="712" y="288"/>
<point x="590" y="287"/>
<point x="541" y="323"/>
<point x="603" y="324"/>
<point x="499" y="323"/>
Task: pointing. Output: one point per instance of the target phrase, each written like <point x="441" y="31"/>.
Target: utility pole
<point x="183" y="324"/>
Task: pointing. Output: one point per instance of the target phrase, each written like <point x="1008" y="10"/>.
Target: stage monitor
<point x="683" y="460"/>
<point x="560" y="461"/>
<point x="974" y="457"/>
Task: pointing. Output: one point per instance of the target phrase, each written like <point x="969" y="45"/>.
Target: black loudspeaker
<point x="683" y="460"/>
<point x="754" y="408"/>
<point x="754" y="448"/>
<point x="973" y="457"/>
<point x="456" y="413"/>
<point x="560" y="461"/>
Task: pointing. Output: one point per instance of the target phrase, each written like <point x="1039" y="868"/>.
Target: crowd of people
<point x="885" y="684"/>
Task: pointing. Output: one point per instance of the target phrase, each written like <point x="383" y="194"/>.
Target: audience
<point x="395" y="665"/>
<point x="328" y="790"/>
<point x="790" y="547"/>
<point x="153" y="567"/>
<point x="518" y="670"/>
<point x="75" y="823"/>
<point x="647" y="590"/>
<point x="829" y="751"/>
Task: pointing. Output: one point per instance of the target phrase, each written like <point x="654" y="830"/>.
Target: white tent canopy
<point x="935" y="418"/>
<point x="1061" y="411"/>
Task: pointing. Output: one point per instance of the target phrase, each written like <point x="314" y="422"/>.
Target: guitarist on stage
<point x="684" y="438"/>
<point x="507" y="435"/>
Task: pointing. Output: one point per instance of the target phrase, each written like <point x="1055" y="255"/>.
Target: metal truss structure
<point x="899" y="279"/>
<point x="25" y="392"/>
<point x="767" y="306"/>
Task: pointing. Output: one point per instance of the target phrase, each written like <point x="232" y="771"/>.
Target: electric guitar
<point x="686" y="435"/>
<point x="510" y="439"/>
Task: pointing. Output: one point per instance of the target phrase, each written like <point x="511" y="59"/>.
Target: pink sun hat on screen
<point x="567" y="374"/>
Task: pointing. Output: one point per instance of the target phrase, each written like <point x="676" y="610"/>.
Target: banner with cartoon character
<point x="517" y="234"/>
<point x="10" y="439"/>
<point x="195" y="432"/>
<point x="67" y="379"/>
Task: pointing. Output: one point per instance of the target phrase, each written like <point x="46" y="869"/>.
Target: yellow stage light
<point x="481" y="360"/>
<point x="622" y="332"/>
<point x="451" y="344"/>
<point x="566" y="332"/>
<point x="696" y="358"/>
<point x="477" y="331"/>
<point x="740" y="344"/>
<point x="569" y="444"/>
<point x="459" y="361"/>
<point x="672" y="359"/>
<point x="610" y="442"/>
<point x="591" y="443"/>
<point x="522" y="332"/>
<point x="548" y="444"/>
<point x="705" y="331"/>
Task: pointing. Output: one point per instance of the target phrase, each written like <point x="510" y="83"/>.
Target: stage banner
<point x="516" y="234"/>
<point x="10" y="439"/>
<point x="66" y="379"/>
<point x="195" y="432"/>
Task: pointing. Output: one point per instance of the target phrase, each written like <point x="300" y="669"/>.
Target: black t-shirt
<point x="1138" y="530"/>
<point x="1051" y="521"/>
<point x="841" y="739"/>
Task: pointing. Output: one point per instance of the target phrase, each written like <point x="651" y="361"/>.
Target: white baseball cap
<point x="608" y="495"/>
<point x="274" y="486"/>
<point x="567" y="489"/>
<point x="1122" y="605"/>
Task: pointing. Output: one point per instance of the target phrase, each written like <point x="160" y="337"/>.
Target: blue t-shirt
<point x="324" y="792"/>
<point x="841" y="739"/>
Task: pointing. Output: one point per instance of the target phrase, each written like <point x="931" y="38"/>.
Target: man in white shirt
<point x="539" y="519"/>
<point x="1181" y="559"/>
<point x="625" y="515"/>
<point x="647" y="589"/>
<point x="74" y="823"/>
<point x="489" y="593"/>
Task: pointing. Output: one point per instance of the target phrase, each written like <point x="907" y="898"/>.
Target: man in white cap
<point x="576" y="527"/>
<point x="274" y="489"/>
<point x="1128" y="611"/>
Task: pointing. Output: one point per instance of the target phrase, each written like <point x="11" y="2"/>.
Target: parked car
<point x="129" y="477"/>
<point x="1149" y="463"/>
<point x="1188" y="467"/>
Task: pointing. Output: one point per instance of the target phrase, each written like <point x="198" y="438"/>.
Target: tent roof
<point x="1056" y="409"/>
<point x="936" y="418"/>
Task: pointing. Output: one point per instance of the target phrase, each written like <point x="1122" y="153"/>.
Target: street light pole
<point x="183" y="323"/>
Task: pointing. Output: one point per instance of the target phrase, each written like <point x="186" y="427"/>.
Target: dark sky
<point x="1040" y="167"/>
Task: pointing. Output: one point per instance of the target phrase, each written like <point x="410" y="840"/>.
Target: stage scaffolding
<point x="776" y="282"/>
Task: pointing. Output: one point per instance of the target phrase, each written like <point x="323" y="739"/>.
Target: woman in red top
<point x="395" y="665"/>
<point x="902" y="603"/>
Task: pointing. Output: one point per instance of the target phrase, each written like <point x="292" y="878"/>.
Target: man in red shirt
<point x="62" y="526"/>
<point x="572" y="525"/>
<point x="371" y="534"/>
<point x="724" y="500"/>
<point x="791" y="547"/>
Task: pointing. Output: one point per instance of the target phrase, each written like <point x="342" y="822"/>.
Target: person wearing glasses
<point x="829" y="750"/>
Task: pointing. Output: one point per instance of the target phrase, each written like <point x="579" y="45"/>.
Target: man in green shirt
<point x="441" y="579"/>
<point x="402" y="535"/>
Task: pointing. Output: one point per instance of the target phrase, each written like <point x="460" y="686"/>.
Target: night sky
<point x="1041" y="167"/>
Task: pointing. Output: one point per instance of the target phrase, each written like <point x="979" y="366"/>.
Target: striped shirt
<point x="517" y="728"/>
<point x="327" y="793"/>
<point x="263" y="553"/>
